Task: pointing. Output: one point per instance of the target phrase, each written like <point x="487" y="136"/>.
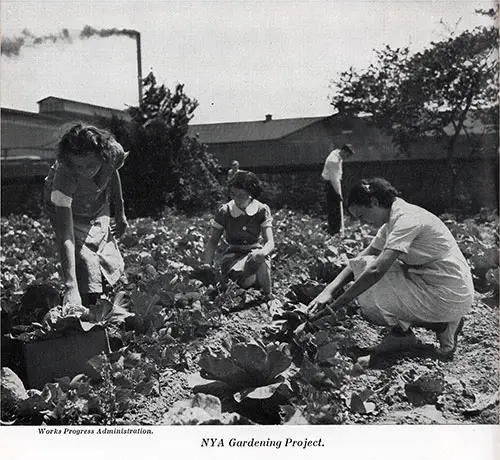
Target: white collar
<point x="250" y="210"/>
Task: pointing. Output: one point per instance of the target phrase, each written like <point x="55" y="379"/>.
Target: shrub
<point x="166" y="168"/>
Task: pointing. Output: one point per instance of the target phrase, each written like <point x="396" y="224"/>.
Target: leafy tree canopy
<point x="432" y="92"/>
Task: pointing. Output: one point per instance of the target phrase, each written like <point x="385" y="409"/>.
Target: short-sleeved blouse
<point x="419" y="235"/>
<point x="240" y="227"/>
<point x="434" y="282"/>
<point x="89" y="196"/>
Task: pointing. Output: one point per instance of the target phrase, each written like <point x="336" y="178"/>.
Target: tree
<point x="166" y="168"/>
<point x="434" y="93"/>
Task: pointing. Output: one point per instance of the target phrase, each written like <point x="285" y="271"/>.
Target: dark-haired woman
<point x="412" y="273"/>
<point x="78" y="191"/>
<point x="247" y="226"/>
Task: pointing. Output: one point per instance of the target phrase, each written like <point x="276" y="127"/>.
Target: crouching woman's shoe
<point x="449" y="337"/>
<point x="397" y="340"/>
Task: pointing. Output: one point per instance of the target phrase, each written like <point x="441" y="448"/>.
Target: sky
<point x="240" y="59"/>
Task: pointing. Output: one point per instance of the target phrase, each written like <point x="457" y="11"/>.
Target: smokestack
<point x="89" y="31"/>
<point x="139" y="65"/>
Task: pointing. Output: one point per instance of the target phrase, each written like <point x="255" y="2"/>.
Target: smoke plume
<point x="88" y="32"/>
<point x="12" y="46"/>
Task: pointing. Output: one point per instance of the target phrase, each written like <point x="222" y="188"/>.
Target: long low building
<point x="276" y="146"/>
<point x="289" y="155"/>
<point x="299" y="142"/>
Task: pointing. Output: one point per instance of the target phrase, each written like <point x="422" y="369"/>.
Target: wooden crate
<point x="49" y="360"/>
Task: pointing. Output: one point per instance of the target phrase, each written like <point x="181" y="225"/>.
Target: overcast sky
<point x="239" y="59"/>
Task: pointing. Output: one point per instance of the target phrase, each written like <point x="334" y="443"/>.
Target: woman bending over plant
<point x="412" y="273"/>
<point x="78" y="191"/>
<point x="247" y="226"/>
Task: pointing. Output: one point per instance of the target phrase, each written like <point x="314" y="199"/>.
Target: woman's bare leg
<point x="248" y="281"/>
<point x="264" y="278"/>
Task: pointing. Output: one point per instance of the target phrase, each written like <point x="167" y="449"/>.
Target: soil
<point x="414" y="387"/>
<point x="467" y="385"/>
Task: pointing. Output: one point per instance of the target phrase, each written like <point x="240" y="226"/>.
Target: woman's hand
<point x="72" y="296"/>
<point x="258" y="256"/>
<point x="319" y="302"/>
<point x="121" y="224"/>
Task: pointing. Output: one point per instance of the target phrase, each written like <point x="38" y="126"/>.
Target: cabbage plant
<point x="249" y="371"/>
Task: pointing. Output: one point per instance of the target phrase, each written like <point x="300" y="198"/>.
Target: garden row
<point x="172" y="319"/>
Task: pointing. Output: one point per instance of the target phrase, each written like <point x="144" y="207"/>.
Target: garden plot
<point x="187" y="348"/>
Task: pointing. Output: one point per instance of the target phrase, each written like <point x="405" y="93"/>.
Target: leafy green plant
<point x="67" y="401"/>
<point x="248" y="366"/>
<point x="107" y="313"/>
<point x="64" y="319"/>
<point x="320" y="407"/>
<point x="232" y="298"/>
<point x="173" y="306"/>
<point x="305" y="292"/>
<point x="247" y="377"/>
<point x="194" y="321"/>
<point x="202" y="409"/>
<point x="107" y="392"/>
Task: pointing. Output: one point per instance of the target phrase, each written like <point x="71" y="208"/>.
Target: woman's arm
<point x="121" y="223"/>
<point x="259" y="255"/>
<point x="372" y="274"/>
<point x="344" y="277"/>
<point x="268" y="240"/>
<point x="66" y="243"/>
<point x="212" y="243"/>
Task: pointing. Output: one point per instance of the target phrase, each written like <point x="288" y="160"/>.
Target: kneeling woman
<point x="245" y="221"/>
<point x="412" y="274"/>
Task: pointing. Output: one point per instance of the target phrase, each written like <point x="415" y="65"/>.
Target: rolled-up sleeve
<point x="402" y="234"/>
<point x="63" y="186"/>
<point x="60" y="199"/>
<point x="378" y="242"/>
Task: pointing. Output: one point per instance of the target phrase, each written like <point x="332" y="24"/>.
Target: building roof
<point x="22" y="113"/>
<point x="83" y="104"/>
<point x="248" y="131"/>
<point x="269" y="129"/>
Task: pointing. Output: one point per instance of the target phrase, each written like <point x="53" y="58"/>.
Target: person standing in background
<point x="235" y="167"/>
<point x="332" y="173"/>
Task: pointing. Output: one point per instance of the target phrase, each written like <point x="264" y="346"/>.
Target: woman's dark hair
<point x="248" y="181"/>
<point x="363" y="192"/>
<point x="82" y="139"/>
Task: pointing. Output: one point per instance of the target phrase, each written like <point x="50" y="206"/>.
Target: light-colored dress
<point x="96" y="250"/>
<point x="242" y="231"/>
<point x="430" y="282"/>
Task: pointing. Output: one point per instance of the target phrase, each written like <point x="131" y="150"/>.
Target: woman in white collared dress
<point x="246" y="224"/>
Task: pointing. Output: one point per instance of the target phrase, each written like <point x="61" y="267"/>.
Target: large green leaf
<point x="277" y="362"/>
<point x="224" y="369"/>
<point x="326" y="353"/>
<point x="105" y="312"/>
<point x="253" y="359"/>
<point x="264" y="392"/>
